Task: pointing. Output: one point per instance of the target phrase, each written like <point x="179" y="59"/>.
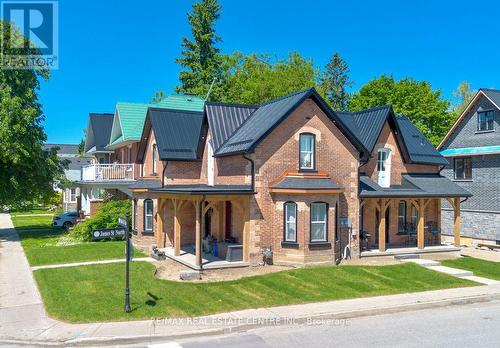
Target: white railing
<point x="108" y="172"/>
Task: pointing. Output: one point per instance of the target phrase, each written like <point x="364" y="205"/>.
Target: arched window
<point x="290" y="226"/>
<point x="148" y="215"/>
<point x="307" y="158"/>
<point x="153" y="154"/>
<point x="384" y="167"/>
<point x="401" y="216"/>
<point x="319" y="222"/>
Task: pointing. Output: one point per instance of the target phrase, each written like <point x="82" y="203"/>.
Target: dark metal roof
<point x="413" y="185"/>
<point x="224" y="119"/>
<point x="64" y="149"/>
<point x="493" y="94"/>
<point x="205" y="189"/>
<point x="367" y="124"/>
<point x="179" y="133"/>
<point x="146" y="184"/>
<point x="419" y="149"/>
<point x="100" y="126"/>
<point x="76" y="163"/>
<point x="307" y="184"/>
<point x="263" y="120"/>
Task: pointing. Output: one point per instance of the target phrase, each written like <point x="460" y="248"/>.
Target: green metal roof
<point x="129" y="117"/>
<point x="482" y="150"/>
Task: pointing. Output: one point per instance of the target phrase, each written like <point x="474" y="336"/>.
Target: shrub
<point x="106" y="217"/>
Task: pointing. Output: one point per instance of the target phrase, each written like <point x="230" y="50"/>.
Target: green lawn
<point x="31" y="211"/>
<point x="481" y="268"/>
<point x="100" y="289"/>
<point x="40" y="242"/>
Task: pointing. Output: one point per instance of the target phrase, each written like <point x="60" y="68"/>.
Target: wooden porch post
<point x="177" y="229"/>
<point x="198" y="233"/>
<point x="246" y="229"/>
<point x="381" y="226"/>
<point x="420" y="230"/>
<point x="456" y="224"/>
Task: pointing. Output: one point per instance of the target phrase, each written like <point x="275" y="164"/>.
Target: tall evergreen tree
<point x="200" y="56"/>
<point x="27" y="171"/>
<point x="335" y="81"/>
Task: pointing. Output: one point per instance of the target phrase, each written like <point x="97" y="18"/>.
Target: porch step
<point x="423" y="262"/>
<point x="406" y="256"/>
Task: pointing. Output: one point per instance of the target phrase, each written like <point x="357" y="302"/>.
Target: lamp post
<point x="127" y="261"/>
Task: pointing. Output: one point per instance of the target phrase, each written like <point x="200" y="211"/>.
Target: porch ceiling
<point x="413" y="185"/>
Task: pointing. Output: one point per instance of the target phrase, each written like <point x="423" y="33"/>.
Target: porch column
<point x="456" y="224"/>
<point x="221" y="210"/>
<point x="177" y="229"/>
<point x="381" y="226"/>
<point x="198" y="233"/>
<point x="420" y="230"/>
<point x="159" y="223"/>
<point x="246" y="229"/>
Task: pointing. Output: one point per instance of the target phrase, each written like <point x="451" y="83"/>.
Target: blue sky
<point x="114" y="51"/>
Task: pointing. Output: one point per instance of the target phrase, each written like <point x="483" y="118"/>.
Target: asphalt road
<point x="474" y="325"/>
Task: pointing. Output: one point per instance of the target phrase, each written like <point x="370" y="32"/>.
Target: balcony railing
<point x="108" y="172"/>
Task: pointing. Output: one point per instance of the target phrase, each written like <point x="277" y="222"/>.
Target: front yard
<point x="481" y="268"/>
<point x="46" y="245"/>
<point x="100" y="289"/>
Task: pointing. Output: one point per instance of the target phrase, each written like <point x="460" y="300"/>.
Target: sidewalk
<point x="23" y="319"/>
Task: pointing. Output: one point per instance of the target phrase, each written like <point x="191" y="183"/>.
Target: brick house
<point x="111" y="142"/>
<point x="313" y="185"/>
<point x="472" y="146"/>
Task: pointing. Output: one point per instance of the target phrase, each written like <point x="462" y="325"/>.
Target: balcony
<point x="108" y="172"/>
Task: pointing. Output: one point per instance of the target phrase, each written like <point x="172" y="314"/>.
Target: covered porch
<point x="406" y="218"/>
<point x="203" y="226"/>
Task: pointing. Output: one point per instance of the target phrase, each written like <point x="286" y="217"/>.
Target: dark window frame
<point x="285" y="222"/>
<point x="463" y="160"/>
<point x="145" y="217"/>
<point x="485" y="113"/>
<point x="327" y="208"/>
<point x="313" y="169"/>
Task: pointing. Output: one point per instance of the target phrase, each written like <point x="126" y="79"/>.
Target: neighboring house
<point x="112" y="141"/>
<point x="472" y="147"/>
<point x="75" y="162"/>
<point x="291" y="176"/>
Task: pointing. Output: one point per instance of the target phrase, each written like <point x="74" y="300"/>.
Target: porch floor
<point x="208" y="261"/>
<point x="393" y="251"/>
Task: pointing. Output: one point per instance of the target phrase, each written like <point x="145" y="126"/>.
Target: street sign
<point x="122" y="221"/>
<point x="105" y="233"/>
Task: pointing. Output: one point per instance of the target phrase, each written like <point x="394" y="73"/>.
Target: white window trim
<point x="146" y="215"/>
<point x="289" y="222"/>
<point x="70" y="195"/>
<point x="324" y="222"/>
<point x="154" y="150"/>
<point x="311" y="152"/>
<point x="384" y="176"/>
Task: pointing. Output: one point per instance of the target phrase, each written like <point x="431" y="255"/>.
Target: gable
<point x="269" y="115"/>
<point x="463" y="133"/>
<point x="98" y="131"/>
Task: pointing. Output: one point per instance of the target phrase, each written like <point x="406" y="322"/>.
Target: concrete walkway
<point x="24" y="321"/>
<point x="456" y="272"/>
<point x="74" y="264"/>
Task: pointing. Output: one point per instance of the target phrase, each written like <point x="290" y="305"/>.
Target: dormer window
<point x="384" y="167"/>
<point x="153" y="154"/>
<point x="307" y="144"/>
<point x="485" y="120"/>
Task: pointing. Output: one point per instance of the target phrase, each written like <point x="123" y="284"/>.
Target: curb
<point x="303" y="319"/>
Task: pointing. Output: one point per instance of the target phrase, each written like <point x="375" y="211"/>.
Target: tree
<point x="255" y="79"/>
<point x="27" y="172"/>
<point x="463" y="95"/>
<point x="414" y="99"/>
<point x="334" y="83"/>
<point x="200" y="56"/>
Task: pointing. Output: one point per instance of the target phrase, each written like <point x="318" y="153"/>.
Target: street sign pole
<point x="127" y="260"/>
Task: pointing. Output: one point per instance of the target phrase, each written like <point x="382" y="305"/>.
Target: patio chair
<point x="434" y="231"/>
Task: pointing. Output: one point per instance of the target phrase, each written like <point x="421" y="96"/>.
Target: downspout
<point x="252" y="164"/>
<point x="163" y="174"/>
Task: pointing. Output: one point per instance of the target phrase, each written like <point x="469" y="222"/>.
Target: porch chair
<point x="433" y="233"/>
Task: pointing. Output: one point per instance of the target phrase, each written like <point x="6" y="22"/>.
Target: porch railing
<point x="108" y="172"/>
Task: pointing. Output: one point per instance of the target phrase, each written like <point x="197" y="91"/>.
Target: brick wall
<point x="398" y="166"/>
<point x="279" y="152"/>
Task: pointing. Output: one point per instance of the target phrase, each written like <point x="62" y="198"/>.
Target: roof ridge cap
<point x="310" y="89"/>
<point x="248" y="106"/>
